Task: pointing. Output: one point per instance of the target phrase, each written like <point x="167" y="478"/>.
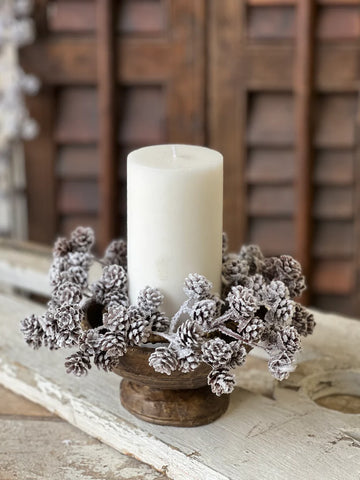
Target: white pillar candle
<point x="174" y="207"/>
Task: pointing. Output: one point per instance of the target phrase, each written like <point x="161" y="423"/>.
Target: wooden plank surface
<point x="281" y="430"/>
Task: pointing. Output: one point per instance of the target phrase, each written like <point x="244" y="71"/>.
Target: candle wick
<point x="173" y="148"/>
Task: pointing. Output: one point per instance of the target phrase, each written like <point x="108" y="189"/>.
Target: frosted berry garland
<point x="256" y="308"/>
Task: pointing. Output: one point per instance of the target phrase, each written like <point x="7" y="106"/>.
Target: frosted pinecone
<point x="225" y="244"/>
<point x="280" y="366"/>
<point x="68" y="338"/>
<point x="221" y="381"/>
<point x="254" y="258"/>
<point x="238" y="354"/>
<point x="234" y="268"/>
<point x="159" y="322"/>
<point x="275" y="292"/>
<point x="68" y="316"/>
<point x="149" y="300"/>
<point x="189" y="363"/>
<point x="289" y="340"/>
<point x="188" y="334"/>
<point x="116" y="253"/>
<point x="253" y="331"/>
<point x="80" y="259"/>
<point x="270" y="268"/>
<point x="216" y="352"/>
<point x="89" y="342"/>
<point x="106" y="360"/>
<point x="78" y="364"/>
<point x="257" y="284"/>
<point x="114" y="277"/>
<point x="117" y="319"/>
<point x="197" y="286"/>
<point x="303" y="320"/>
<point x="113" y="342"/>
<point x="58" y="266"/>
<point x="139" y="329"/>
<point x="98" y="291"/>
<point x="76" y="275"/>
<point x="283" y="311"/>
<point x="82" y="239"/>
<point x="61" y="247"/>
<point x="163" y="360"/>
<point x="204" y="312"/>
<point x="242" y="302"/>
<point x="114" y="297"/>
<point x="289" y="271"/>
<point x="32" y="331"/>
<point x="67" y="293"/>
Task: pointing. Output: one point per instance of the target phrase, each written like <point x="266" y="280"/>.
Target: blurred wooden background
<point x="272" y="84"/>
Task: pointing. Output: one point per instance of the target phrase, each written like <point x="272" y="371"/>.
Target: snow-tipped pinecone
<point x="139" y="327"/>
<point x="159" y="322"/>
<point x="76" y="275"/>
<point x="289" y="340"/>
<point x="280" y="366"/>
<point x="68" y="316"/>
<point x="149" y="300"/>
<point x="68" y="293"/>
<point x="189" y="363"/>
<point x="289" y="271"/>
<point x="197" y="286"/>
<point x="113" y="342"/>
<point x="116" y="253"/>
<point x="275" y="291"/>
<point x="78" y="363"/>
<point x="253" y="331"/>
<point x="303" y="320"/>
<point x="238" y="355"/>
<point x="234" y="269"/>
<point x="254" y="258"/>
<point x="270" y="268"/>
<point x="188" y="334"/>
<point x="98" y="291"/>
<point x="61" y="247"/>
<point x="283" y="311"/>
<point x="225" y="244"/>
<point x="67" y="339"/>
<point x="221" y="381"/>
<point x="163" y="360"/>
<point x="114" y="277"/>
<point x="89" y="342"/>
<point x="58" y="266"/>
<point x="216" y="352"/>
<point x="80" y="259"/>
<point x="32" y="331"/>
<point x="257" y="284"/>
<point x="204" y="312"/>
<point x="106" y="360"/>
<point x="242" y="302"/>
<point x="116" y="319"/>
<point x="82" y="239"/>
<point x="114" y="298"/>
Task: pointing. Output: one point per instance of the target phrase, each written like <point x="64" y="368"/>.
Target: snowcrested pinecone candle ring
<point x="179" y="370"/>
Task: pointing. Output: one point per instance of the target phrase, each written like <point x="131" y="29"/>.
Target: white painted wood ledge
<point x="287" y="436"/>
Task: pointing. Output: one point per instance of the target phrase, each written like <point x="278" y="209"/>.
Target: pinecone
<point x="289" y="271"/>
<point x="112" y="342"/>
<point x="117" y="319"/>
<point x="114" y="277"/>
<point x="78" y="364"/>
<point x="68" y="293"/>
<point x="67" y="317"/>
<point x="280" y="366"/>
<point x="98" y="291"/>
<point x="275" y="292"/>
<point x="242" y="302"/>
<point x="238" y="355"/>
<point x="58" y="266"/>
<point x="189" y="363"/>
<point x="253" y="257"/>
<point x="257" y="285"/>
<point x="253" y="331"/>
<point x="216" y="352"/>
<point x="115" y="298"/>
<point x="67" y="339"/>
<point x="283" y="311"/>
<point x="270" y="267"/>
<point x="76" y="275"/>
<point x="32" y="331"/>
<point x="89" y="342"/>
<point x="159" y="322"/>
<point x="149" y="300"/>
<point x="82" y="239"/>
<point x="289" y="340"/>
<point x="303" y="320"/>
<point x="197" y="286"/>
<point x="204" y="312"/>
<point x="140" y="329"/>
<point x="188" y="334"/>
<point x="163" y="360"/>
<point x="106" y="360"/>
<point x="116" y="253"/>
<point x="80" y="259"/>
<point x="234" y="269"/>
<point x="221" y="381"/>
<point x="61" y="247"/>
